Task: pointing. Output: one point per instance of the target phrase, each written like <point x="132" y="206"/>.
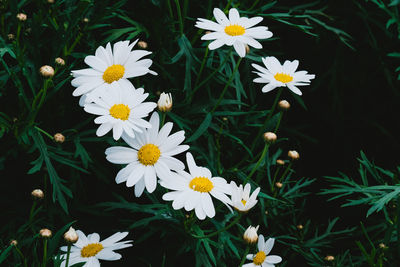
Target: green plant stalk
<point x="253" y="5"/>
<point x="275" y="175"/>
<point x="21" y="255"/>
<point x="262" y="129"/>
<point x="42" y="94"/>
<point x="68" y="252"/>
<point x="279" y="122"/>
<point x="263" y="154"/>
<point x="227" y="85"/>
<point x="44" y="252"/>
<point x="227" y="5"/>
<point x="44" y="132"/>
<point x="164" y="114"/>
<point x="201" y="67"/>
<point x="220" y="230"/>
<point x="244" y="256"/>
<point x="69" y="51"/>
<point x="398" y="225"/>
<point x="178" y="9"/>
<point x="32" y="212"/>
<point x="285" y="173"/>
<point x="170" y="9"/>
<point x="18" y="32"/>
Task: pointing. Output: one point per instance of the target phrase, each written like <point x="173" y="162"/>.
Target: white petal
<point x="103" y="129"/>
<point x="121" y="155"/>
<point x="139" y="187"/>
<point x="108" y="255"/>
<point x="150" y="179"/>
<point x="294" y="89"/>
<point x="240" y="48"/>
<point x="109" y="241"/>
<point x="269" y="244"/>
<point x="261" y="243"/>
<point x="216" y="44"/>
<point x="96" y="63"/>
<point x="93" y="238"/>
<point x="117" y="130"/>
<point x="135" y="176"/>
<point x="233" y="16"/>
<point x="207" y="205"/>
<point x="273" y="259"/>
<point x="269" y="87"/>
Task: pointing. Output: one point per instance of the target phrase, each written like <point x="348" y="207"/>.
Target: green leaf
<point x="202" y="128"/>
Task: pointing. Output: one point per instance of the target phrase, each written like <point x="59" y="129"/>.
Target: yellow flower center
<point x="120" y="111"/>
<point x="234" y="30"/>
<point x="113" y="73"/>
<point x="259" y="258"/>
<point x="91" y="250"/>
<point x="283" y="77"/>
<point x="244" y="202"/>
<point x="149" y="154"/>
<point x="201" y="184"/>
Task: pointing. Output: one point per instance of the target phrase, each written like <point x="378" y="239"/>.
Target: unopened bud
<point x="278" y="184"/>
<point x="38" y="194"/>
<point x="250" y="235"/>
<point x="293" y="155"/>
<point x="59" y="138"/>
<point x="270" y="137"/>
<point x="247" y="49"/>
<point x="11" y="36"/>
<point x="59" y="61"/>
<point x="165" y="102"/>
<point x="283" y="105"/>
<point x="50" y="1"/>
<point x="21" y="16"/>
<point x="47" y="71"/>
<point x="224" y="118"/>
<point x="14" y="242"/>
<point x="45" y="233"/>
<point x="382" y="246"/>
<point x="300" y="227"/>
<point x="280" y="162"/>
<point x="142" y="44"/>
<point x="71" y="236"/>
<point x="85" y="20"/>
<point x="329" y="258"/>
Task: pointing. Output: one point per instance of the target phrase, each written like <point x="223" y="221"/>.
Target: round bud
<point x="280" y="162"/>
<point x="266" y="212"/>
<point x="142" y="44"/>
<point x="329" y="258"/>
<point x="45" y="233"/>
<point x="300" y="227"/>
<point x="46" y="71"/>
<point x="71" y="236"/>
<point x="278" y="184"/>
<point x="224" y="118"/>
<point x="85" y="20"/>
<point x="50" y="1"/>
<point x="38" y="194"/>
<point x="250" y="235"/>
<point x="21" y="16"/>
<point x="283" y="105"/>
<point x="293" y="155"/>
<point x="13" y="242"/>
<point x="59" y="61"/>
<point x="10" y="36"/>
<point x="59" y="138"/>
<point x="382" y="246"/>
<point x="270" y="137"/>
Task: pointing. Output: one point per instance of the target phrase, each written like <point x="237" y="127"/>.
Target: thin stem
<point x="220" y="230"/>
<point x="42" y="94"/>
<point x="44" y="252"/>
<point x="227" y="5"/>
<point x="68" y="252"/>
<point x="44" y="132"/>
<point x="244" y="256"/>
<point x="32" y="212"/>
<point x="178" y="9"/>
<point x="279" y="122"/>
<point x="164" y="114"/>
<point x="227" y="85"/>
<point x="21" y="255"/>
<point x="285" y="173"/>
<point x="201" y="67"/>
<point x="170" y="9"/>
<point x="254" y="4"/>
<point x="274" y="179"/>
<point x="258" y="163"/>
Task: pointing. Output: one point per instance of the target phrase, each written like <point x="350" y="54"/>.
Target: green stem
<point x="21" y="255"/>
<point x="201" y="67"/>
<point x="67" y="53"/>
<point x="254" y="4"/>
<point x="32" y="212"/>
<point x="42" y="94"/>
<point x="18" y="32"/>
<point x="286" y="171"/>
<point x="44" y="252"/>
<point x="279" y="122"/>
<point x="68" y="252"/>
<point x="227" y="5"/>
<point x="44" y="132"/>
<point x="220" y="230"/>
<point x="258" y="163"/>
<point x="170" y="9"/>
<point x="262" y="129"/>
<point x="244" y="256"/>
<point x="164" y="114"/>
<point x="227" y="85"/>
<point x="274" y="179"/>
<point x="178" y="9"/>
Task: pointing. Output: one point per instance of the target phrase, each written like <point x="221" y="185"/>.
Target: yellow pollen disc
<point x="149" y="154"/>
<point x="259" y="258"/>
<point x="120" y="111"/>
<point x="201" y="184"/>
<point x="284" y="78"/>
<point x="91" y="250"/>
<point x="244" y="202"/>
<point x="234" y="30"/>
<point x="113" y="73"/>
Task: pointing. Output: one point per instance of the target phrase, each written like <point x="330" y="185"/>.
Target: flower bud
<point x="283" y="105"/>
<point x="71" y="236"/>
<point x="21" y="16"/>
<point x="45" y="233"/>
<point x="293" y="155"/>
<point x="280" y="162"/>
<point x="278" y="184"/>
<point x="13" y="242"/>
<point x="50" y="1"/>
<point x="142" y="44"/>
<point x="59" y="61"/>
<point x="382" y="246"/>
<point x="250" y="235"/>
<point x="38" y="194"/>
<point x="329" y="258"/>
<point x="85" y="20"/>
<point x="247" y="49"/>
<point x="46" y="71"/>
<point x="10" y="36"/>
<point x="165" y="102"/>
<point x="59" y="138"/>
<point x="270" y="137"/>
<point x="300" y="227"/>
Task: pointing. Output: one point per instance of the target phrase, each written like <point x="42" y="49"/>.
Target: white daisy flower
<point x="90" y="249"/>
<point x="236" y="31"/>
<point x="193" y="190"/>
<point x="261" y="258"/>
<point x="121" y="108"/>
<point x="241" y="199"/>
<point x="151" y="156"/>
<point x="107" y="66"/>
<point x="277" y="75"/>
